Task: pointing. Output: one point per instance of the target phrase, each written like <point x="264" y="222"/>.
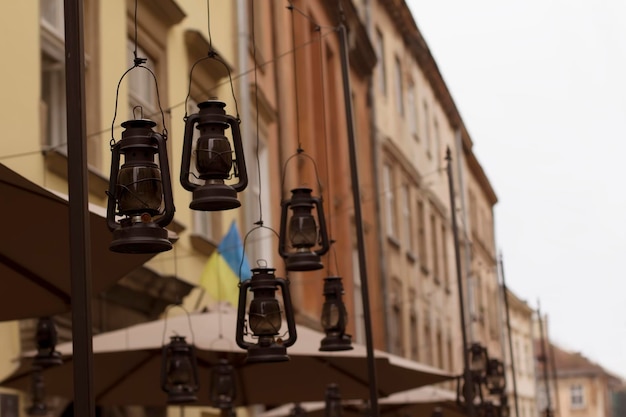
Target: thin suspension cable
<point x="295" y="75"/>
<point x="256" y="105"/>
<point x="181" y="103"/>
<point x="137" y="63"/>
<point x="208" y="11"/>
<point x="322" y="72"/>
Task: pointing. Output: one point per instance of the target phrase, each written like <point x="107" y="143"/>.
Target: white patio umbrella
<point x="127" y="366"/>
<point x="35" y="252"/>
<point x="415" y="402"/>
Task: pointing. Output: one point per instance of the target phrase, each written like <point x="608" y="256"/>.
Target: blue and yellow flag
<point x="226" y="268"/>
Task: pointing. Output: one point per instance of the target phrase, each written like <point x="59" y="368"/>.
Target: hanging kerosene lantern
<point x="333" y="401"/>
<point x="223" y="387"/>
<point x="264" y="317"/>
<point x="38" y="405"/>
<point x="495" y="379"/>
<point x="334" y="317"/>
<point x="213" y="159"/>
<point x="309" y="242"/>
<point x="140" y="191"/>
<point x="46" y="340"/>
<point x="478" y="359"/>
<point x="179" y="371"/>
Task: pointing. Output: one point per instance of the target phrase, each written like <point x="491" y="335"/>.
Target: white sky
<point x="541" y="86"/>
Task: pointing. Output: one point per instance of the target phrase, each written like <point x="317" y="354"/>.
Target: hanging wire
<point x="174" y="106"/>
<point x="308" y="17"/>
<point x="167" y="310"/>
<point x="332" y="252"/>
<point x="211" y="54"/>
<point x="256" y="104"/>
<point x="295" y="75"/>
<point x="137" y="63"/>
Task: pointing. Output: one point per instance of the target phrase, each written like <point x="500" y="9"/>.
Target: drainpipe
<point x="244" y="102"/>
<point x="80" y="253"/>
<point x="470" y="313"/>
<point x="375" y="167"/>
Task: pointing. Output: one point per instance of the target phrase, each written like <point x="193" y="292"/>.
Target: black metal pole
<point x="544" y="359"/>
<point x="358" y="220"/>
<point x="80" y="249"/>
<point x="468" y="387"/>
<point x="505" y="296"/>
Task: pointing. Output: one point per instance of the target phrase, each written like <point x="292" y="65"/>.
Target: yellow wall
<point x="20" y="85"/>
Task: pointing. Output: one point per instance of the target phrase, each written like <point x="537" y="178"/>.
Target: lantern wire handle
<point x="137" y="63"/>
<point x="167" y="310"/>
<point x="211" y="54"/>
<point x="332" y="252"/>
<point x="258" y="225"/>
<point x="295" y="75"/>
<point x="300" y="153"/>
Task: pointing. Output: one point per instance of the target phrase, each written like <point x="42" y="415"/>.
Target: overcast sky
<point x="541" y="87"/>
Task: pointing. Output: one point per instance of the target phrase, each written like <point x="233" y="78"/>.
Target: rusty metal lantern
<point x="297" y="411"/>
<point x="140" y="191"/>
<point x="46" y="339"/>
<point x="179" y="371"/>
<point x="307" y="237"/>
<point x="334" y="317"/>
<point x="38" y="405"/>
<point x="478" y="359"/>
<point x="495" y="377"/>
<point x="264" y="317"/>
<point x="333" y="401"/>
<point x="489" y="409"/>
<point x="213" y="158"/>
<point x="223" y="387"/>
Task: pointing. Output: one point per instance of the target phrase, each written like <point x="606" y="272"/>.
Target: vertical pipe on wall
<point x="80" y="248"/>
<point x="468" y="387"/>
<point x="505" y="297"/>
<point x="470" y="313"/>
<point x="358" y="219"/>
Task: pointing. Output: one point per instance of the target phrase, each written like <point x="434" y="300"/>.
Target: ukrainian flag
<point x="226" y="268"/>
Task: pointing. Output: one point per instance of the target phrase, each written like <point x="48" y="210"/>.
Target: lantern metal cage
<point x="334" y="317"/>
<point x="179" y="371"/>
<point x="213" y="157"/>
<point x="302" y="239"/>
<point x="264" y="317"/>
<point x="140" y="191"/>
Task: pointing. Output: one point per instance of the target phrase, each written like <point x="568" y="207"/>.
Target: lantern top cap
<point x="139" y="123"/>
<point x="177" y="338"/>
<point x="213" y="102"/>
<point x="302" y="190"/>
<point x="263" y="270"/>
<point x="333" y="278"/>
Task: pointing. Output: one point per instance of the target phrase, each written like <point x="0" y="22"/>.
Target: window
<point x="380" y="54"/>
<point x="445" y="272"/>
<point x="359" y="321"/>
<point x="437" y="137"/>
<point x="390" y="203"/>
<point x="434" y="246"/>
<point x="421" y="233"/>
<point x="426" y="127"/>
<point x="52" y="16"/>
<point x="396" y="323"/>
<point x="53" y="111"/>
<point x="142" y="87"/>
<point x="414" y="329"/>
<point x="407" y="221"/>
<point x="399" y="91"/>
<point x="577" y="397"/>
<point x="428" y="339"/>
<point x="411" y="110"/>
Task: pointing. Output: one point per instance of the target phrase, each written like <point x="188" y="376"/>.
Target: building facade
<point x="522" y="365"/>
